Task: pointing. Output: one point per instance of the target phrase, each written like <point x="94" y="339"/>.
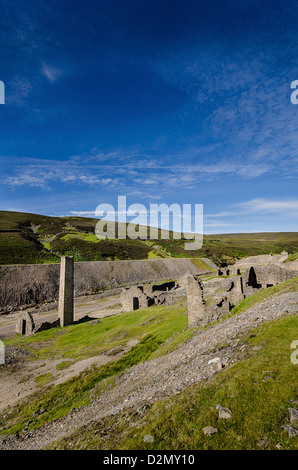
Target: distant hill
<point x="31" y="238"/>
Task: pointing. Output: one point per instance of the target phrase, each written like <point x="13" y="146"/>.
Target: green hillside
<point x="31" y="238"/>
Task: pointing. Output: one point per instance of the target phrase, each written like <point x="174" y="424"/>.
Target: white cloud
<point x="256" y="208"/>
<point x="214" y="224"/>
<point x="266" y="206"/>
<point x="83" y="213"/>
<point x="26" y="179"/>
<point x="51" y="73"/>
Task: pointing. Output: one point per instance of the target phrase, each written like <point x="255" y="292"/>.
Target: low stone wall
<point x="24" y="285"/>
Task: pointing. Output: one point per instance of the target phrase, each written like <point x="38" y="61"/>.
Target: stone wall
<point x="196" y="305"/>
<point x="24" y="285"/>
<point x="133" y="298"/>
<point x="265" y="276"/>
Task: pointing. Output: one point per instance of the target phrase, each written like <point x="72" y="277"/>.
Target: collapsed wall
<point x="23" y="285"/>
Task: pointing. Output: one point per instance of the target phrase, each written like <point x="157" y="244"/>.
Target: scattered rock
<point x="267" y="377"/>
<point x="38" y="412"/>
<point x="148" y="438"/>
<point x="93" y="322"/>
<point x="212" y="361"/>
<point x="293" y="413"/>
<point x="223" y="413"/>
<point x="294" y="402"/>
<point x="215" y="364"/>
<point x="263" y="443"/>
<point x="290" y="430"/>
<point x="209" y="430"/>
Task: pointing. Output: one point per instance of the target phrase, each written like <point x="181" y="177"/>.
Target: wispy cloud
<point x="133" y="173"/>
<point x="258" y="206"/>
<point x="255" y="215"/>
<point x="51" y="73"/>
<point x="82" y="213"/>
<point x="47" y="173"/>
<point x="265" y="206"/>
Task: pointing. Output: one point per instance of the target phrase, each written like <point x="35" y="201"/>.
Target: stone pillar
<point x="238" y="291"/>
<point x="66" y="291"/>
<point x="197" y="309"/>
<point x="238" y="283"/>
<point x="25" y="324"/>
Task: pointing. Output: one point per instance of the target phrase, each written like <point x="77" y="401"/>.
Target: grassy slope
<point x="258" y="390"/>
<point x="31" y="238"/>
<point x="258" y="407"/>
<point x="151" y="326"/>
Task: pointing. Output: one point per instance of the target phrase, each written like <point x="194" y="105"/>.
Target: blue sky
<point x="162" y="101"/>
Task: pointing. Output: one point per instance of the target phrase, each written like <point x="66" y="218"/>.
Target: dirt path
<point x="151" y="380"/>
<point x="16" y="386"/>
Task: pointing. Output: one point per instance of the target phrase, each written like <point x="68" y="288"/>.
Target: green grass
<point x="44" y="378"/>
<point x="157" y="255"/>
<point x="258" y="390"/>
<point x="82" y="341"/>
<point x="200" y="264"/>
<point x="227" y="248"/>
<point x="15" y="249"/>
<point x="292" y="257"/>
<point x="64" y="365"/>
<point x="88" y="237"/>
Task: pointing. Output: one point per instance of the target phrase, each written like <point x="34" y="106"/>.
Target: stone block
<point x="25" y="324"/>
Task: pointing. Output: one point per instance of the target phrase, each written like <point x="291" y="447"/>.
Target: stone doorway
<point x="135" y="303"/>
